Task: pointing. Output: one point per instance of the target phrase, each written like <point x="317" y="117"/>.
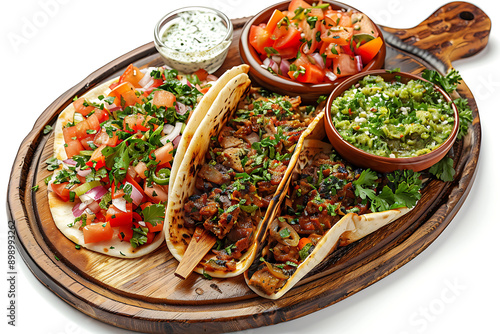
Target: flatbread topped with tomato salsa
<point x="114" y="153"/>
<point x="233" y="173"/>
<point x="329" y="204"/>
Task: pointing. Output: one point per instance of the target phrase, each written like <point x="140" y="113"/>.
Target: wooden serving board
<point x="144" y="295"/>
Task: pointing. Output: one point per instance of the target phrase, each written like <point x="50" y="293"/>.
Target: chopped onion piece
<point x="330" y="76"/>
<point x="180" y="108"/>
<point x="146" y="79"/>
<point x="143" y="224"/>
<point x="94" y="207"/>
<point x="175" y="132"/>
<point x="266" y="63"/>
<point x="212" y="77"/>
<point x="120" y="203"/>
<point x="284" y="66"/>
<point x="70" y="162"/>
<point x="168" y="128"/>
<point x="96" y="193"/>
<point x="77" y="212"/>
<point x="84" y="172"/>
<point x="274" y="66"/>
<point x="136" y="195"/>
<point x="319" y="60"/>
<point x="176" y="141"/>
<point x="276" y="59"/>
<point x="359" y="63"/>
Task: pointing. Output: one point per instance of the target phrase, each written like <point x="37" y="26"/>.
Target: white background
<point x="451" y="287"/>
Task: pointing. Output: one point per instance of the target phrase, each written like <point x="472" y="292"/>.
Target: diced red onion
<point x="146" y="80"/>
<point x="175" y="132"/>
<point x="176" y="141"/>
<point x="94" y="207"/>
<point x="168" y="128"/>
<point x="84" y="172"/>
<point x="274" y="66"/>
<point x="319" y="60"/>
<point x="284" y="66"/>
<point x="70" y="162"/>
<point x="359" y="63"/>
<point x="330" y="76"/>
<point x="115" y="108"/>
<point x="142" y="223"/>
<point x="96" y="193"/>
<point x="180" y="108"/>
<point x="188" y="83"/>
<point x="212" y="77"/>
<point x="77" y="211"/>
<point x="136" y="195"/>
<point x="120" y="203"/>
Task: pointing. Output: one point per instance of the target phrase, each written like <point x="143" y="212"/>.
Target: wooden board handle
<point x="455" y="31"/>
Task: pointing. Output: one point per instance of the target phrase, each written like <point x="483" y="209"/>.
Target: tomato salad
<point x="315" y="43"/>
<point x="119" y="151"/>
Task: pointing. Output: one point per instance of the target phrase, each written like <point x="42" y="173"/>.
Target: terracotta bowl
<point x="284" y="85"/>
<point x="375" y="162"/>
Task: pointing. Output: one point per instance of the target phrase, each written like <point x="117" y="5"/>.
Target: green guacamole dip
<point x="393" y="119"/>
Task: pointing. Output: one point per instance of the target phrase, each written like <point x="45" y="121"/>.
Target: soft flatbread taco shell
<point x="199" y="114"/>
<point x="350" y="228"/>
<point x="62" y="211"/>
<point x="178" y="236"/>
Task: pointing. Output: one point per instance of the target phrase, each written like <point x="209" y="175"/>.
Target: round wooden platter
<point x="144" y="295"/>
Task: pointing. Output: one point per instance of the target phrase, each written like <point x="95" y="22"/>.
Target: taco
<point x="233" y="173"/>
<point x="114" y="153"/>
<point x="329" y="204"/>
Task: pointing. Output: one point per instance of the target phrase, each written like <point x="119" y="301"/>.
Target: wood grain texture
<point x="144" y="294"/>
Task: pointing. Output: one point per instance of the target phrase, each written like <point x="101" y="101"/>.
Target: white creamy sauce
<point x="194" y="31"/>
<point x="195" y="40"/>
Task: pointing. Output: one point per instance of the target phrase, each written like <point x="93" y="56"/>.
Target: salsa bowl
<point x="283" y="84"/>
<point x="391" y="163"/>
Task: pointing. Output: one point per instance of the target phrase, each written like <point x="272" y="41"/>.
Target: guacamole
<point x="393" y="119"/>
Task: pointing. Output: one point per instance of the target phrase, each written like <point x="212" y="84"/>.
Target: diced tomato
<point x="86" y="140"/>
<point x="137" y="122"/>
<point x="93" y="122"/>
<point x="370" y="49"/>
<point x="145" y="205"/>
<point x="310" y="35"/>
<point x="332" y="50"/>
<point x="102" y="115"/>
<point x="294" y="4"/>
<point x="157" y="228"/>
<point x="336" y="18"/>
<point x="61" y="190"/>
<point x="260" y="39"/>
<point x="73" y="148"/>
<point x="117" y="217"/>
<point x="156" y="192"/>
<point x="313" y="73"/>
<point x="125" y="232"/>
<point x="69" y="134"/>
<point x="131" y="75"/>
<point x="141" y="168"/>
<point x="203" y="90"/>
<point x="150" y="237"/>
<point x="116" y="192"/>
<point x="97" y="159"/>
<point x="344" y="65"/>
<point x="201" y="74"/>
<point x="102" y="138"/>
<point x="80" y="108"/>
<point x="125" y="95"/>
<point x="286" y="38"/>
<point x="363" y="25"/>
<point x="97" y="232"/>
<point x="337" y="35"/>
<point x="164" y="154"/>
<point x="134" y="183"/>
<point x="273" y="21"/>
<point x="162" y="98"/>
